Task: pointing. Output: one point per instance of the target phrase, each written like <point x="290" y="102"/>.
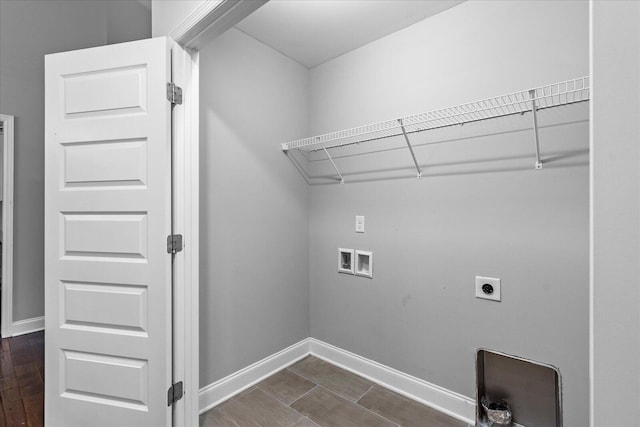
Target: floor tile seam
<point x="210" y="412"/>
<point x="339" y="370"/>
<point x="302" y="416"/>
<point x="270" y="394"/>
<point x="334" y="392"/>
<point x="372" y="412"/>
<point x="313" y="388"/>
<point x="295" y="371"/>
<point x="364" y="394"/>
<point x="359" y="406"/>
<point x="378" y="415"/>
<point x="235" y="396"/>
<point x="302" y="375"/>
<point x="384" y="388"/>
<point x="311" y="421"/>
<point x="221" y="409"/>
<point x="256" y="387"/>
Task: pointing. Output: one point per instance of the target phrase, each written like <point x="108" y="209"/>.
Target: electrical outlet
<point x="488" y="288"/>
<point x="359" y="224"/>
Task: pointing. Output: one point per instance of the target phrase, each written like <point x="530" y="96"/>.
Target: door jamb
<point x="7" y="225"/>
<point x="186" y="212"/>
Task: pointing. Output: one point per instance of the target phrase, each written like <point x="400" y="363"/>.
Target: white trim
<point x="185" y="220"/>
<point x="594" y="90"/>
<point x="27" y="326"/>
<point x="7" y="227"/>
<point x="192" y="224"/>
<point x="436" y="397"/>
<point x="211" y="19"/>
<point x="446" y="401"/>
<point x="229" y="386"/>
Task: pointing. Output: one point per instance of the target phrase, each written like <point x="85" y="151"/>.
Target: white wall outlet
<point x="359" y="224"/>
<point x="488" y="288"/>
<point x="364" y="264"/>
<point x="346" y="262"/>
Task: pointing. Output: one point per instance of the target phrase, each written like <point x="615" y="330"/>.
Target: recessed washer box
<point x="532" y="389"/>
<point x="364" y="264"/>
<point x="345" y="261"/>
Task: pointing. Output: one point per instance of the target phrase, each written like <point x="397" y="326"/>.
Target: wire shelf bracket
<point x="517" y="103"/>
<point x="534" y="115"/>
<point x="334" y="165"/>
<point x="413" y="155"/>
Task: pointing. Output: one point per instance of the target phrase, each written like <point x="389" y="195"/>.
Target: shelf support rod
<point x="334" y="165"/>
<point x="406" y="138"/>
<point x="532" y="96"/>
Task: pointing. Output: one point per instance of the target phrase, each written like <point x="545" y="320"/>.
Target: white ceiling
<point x="314" y="31"/>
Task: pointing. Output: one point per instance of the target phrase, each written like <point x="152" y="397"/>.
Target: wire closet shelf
<point x="531" y="100"/>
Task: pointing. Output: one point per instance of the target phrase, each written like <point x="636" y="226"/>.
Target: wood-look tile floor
<point x="22" y="380"/>
<point x="310" y="393"/>
<point x="315" y="393"/>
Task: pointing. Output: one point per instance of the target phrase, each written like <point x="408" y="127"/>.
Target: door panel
<point x="104" y="379"/>
<point x="105" y="92"/>
<point x="121" y="236"/>
<point x="107" y="307"/>
<point x="107" y="216"/>
<point x="105" y="163"/>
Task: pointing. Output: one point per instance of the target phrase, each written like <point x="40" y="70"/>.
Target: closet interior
<point x="298" y="140"/>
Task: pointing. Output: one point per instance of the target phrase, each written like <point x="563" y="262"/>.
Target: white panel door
<point x="107" y="217"/>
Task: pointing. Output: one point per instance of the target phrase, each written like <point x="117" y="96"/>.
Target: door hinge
<point x="174" y="94"/>
<point x="174" y="243"/>
<point x="175" y="393"/>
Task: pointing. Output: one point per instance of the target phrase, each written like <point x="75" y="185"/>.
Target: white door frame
<point x="7" y="226"/>
<point x="185" y="220"/>
<point x="209" y="20"/>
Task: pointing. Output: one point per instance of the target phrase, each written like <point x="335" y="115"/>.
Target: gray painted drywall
<point x="128" y="20"/>
<point x="616" y="213"/>
<point x="28" y="31"/>
<point x="253" y="205"/>
<point x="168" y="14"/>
<point x="481" y="208"/>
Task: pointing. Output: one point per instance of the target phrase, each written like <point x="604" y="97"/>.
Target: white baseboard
<point x="229" y="386"/>
<point x="27" y="326"/>
<point x="441" y="399"/>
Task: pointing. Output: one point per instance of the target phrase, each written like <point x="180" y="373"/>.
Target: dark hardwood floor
<point x="22" y="380"/>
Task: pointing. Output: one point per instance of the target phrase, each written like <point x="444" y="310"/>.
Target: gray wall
<point x="616" y="210"/>
<point x="253" y="205"/>
<point x="481" y="208"/>
<point x="128" y="20"/>
<point x="168" y="14"/>
<point x="28" y="31"/>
